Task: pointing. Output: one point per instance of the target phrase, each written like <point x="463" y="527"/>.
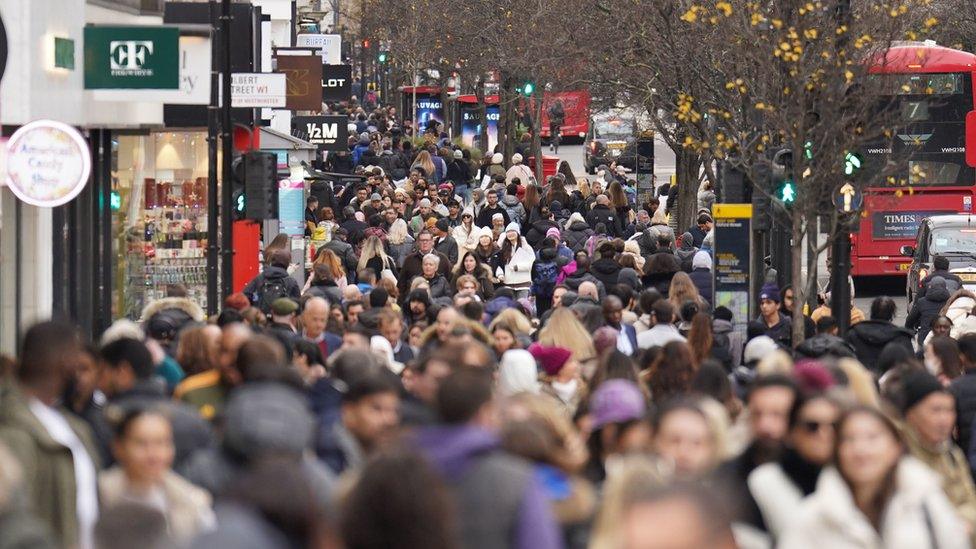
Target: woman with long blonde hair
<point x="683" y="289"/>
<point x="515" y="319"/>
<point x="425" y="162"/>
<point x="374" y="257"/>
<point x="565" y="330"/>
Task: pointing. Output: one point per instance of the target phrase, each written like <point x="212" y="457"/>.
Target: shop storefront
<point x="159" y="218"/>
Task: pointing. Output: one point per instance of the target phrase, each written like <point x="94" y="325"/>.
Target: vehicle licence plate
<point x="904" y="266"/>
<point x="967" y="277"/>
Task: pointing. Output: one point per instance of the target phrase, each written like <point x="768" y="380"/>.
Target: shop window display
<point x="160" y="222"/>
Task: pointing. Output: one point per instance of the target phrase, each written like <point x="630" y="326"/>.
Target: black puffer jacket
<point x="606" y="270"/>
<point x="576" y="235"/>
<point x="870" y="336"/>
<point x="824" y="345"/>
<point x="537" y="231"/>
<point x="925" y="309"/>
<point x="608" y="216"/>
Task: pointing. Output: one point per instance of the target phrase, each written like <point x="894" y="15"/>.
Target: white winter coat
<point x="777" y="497"/>
<point x="917" y="512"/>
<point x="518" y="270"/>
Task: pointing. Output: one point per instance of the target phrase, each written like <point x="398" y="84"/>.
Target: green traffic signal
<point x="115" y="200"/>
<point x="382" y="57"/>
<point x="852" y="163"/>
<point x="787" y="192"/>
<point x="527" y="89"/>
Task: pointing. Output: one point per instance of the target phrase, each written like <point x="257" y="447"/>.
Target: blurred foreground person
<point x="876" y="496"/>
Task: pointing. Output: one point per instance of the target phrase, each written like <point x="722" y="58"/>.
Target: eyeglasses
<point x="811" y="426"/>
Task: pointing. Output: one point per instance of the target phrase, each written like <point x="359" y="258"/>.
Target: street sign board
<point x="329" y="44"/>
<point x="330" y="133"/>
<point x="256" y="90"/>
<point x="336" y="82"/>
<point x="847" y="198"/>
<point x="304" y="81"/>
<point x="48" y="163"/>
<point x="132" y="58"/>
<point x="732" y="260"/>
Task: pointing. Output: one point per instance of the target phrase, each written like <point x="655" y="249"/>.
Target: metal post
<point x="227" y="139"/>
<point x="840" y="292"/>
<point x="213" y="210"/>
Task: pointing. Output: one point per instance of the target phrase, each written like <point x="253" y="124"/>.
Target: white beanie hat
<point x="497" y="158"/>
<point x="516" y="158"/>
<point x="513" y="226"/>
<point x="701" y="260"/>
<point x="757" y="348"/>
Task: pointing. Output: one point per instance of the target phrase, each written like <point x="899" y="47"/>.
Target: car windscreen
<point x="613" y="128"/>
<point x="949" y="240"/>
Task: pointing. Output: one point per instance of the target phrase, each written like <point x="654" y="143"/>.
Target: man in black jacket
<point x="603" y="213"/>
<point x="413" y="263"/>
<point x="941" y="264"/>
<point x="343" y="250"/>
<point x="490" y="209"/>
<point x="870" y="336"/>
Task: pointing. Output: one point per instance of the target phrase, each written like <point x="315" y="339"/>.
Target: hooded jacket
<point x="253" y="288"/>
<point x="722" y="331"/>
<point x="500" y="502"/>
<point x="917" y="513"/>
<point x="686" y="252"/>
<point x="537" y="231"/>
<point x="577" y="233"/>
<point x="608" y="216"/>
<point x="869" y="337"/>
<point x="606" y="270"/>
<point x="926" y="308"/>
<point x="515" y="209"/>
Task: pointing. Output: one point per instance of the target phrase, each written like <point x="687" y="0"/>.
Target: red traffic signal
<point x="366" y="43"/>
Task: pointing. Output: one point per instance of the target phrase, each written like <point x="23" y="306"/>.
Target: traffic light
<point x="852" y="163"/>
<point x="255" y="180"/>
<point x="527" y="88"/>
<point x="365" y="43"/>
<point x="786" y="192"/>
<point x="382" y="56"/>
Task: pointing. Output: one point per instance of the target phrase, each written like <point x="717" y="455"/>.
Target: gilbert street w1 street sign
<point x="253" y="90"/>
<point x="847" y="198"/>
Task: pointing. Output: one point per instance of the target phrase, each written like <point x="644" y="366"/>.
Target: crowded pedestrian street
<point x="363" y="274"/>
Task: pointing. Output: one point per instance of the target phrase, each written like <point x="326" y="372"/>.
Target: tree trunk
<point x="688" y="165"/>
<point x="482" y="116"/>
<point x="445" y="99"/>
<point x="536" y="136"/>
<point x="800" y="286"/>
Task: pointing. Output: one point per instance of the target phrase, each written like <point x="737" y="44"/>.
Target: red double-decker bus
<point x="932" y="89"/>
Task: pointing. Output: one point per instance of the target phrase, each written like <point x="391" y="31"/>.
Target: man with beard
<point x="769" y="402"/>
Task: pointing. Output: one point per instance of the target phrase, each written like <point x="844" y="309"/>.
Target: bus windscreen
<point x="932" y="111"/>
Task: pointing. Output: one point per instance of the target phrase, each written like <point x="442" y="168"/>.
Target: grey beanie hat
<point x="267" y="418"/>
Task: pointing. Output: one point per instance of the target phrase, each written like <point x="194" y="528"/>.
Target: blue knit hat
<point x="770" y="292"/>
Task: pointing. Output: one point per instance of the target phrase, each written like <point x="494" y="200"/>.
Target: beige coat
<point x="188" y="510"/>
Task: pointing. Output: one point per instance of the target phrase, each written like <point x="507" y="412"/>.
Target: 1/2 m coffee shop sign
<point x="132" y="58"/>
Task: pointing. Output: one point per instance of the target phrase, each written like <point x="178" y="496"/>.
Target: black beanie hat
<point x="917" y="385"/>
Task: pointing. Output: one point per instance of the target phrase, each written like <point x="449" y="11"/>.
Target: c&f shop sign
<point x="132" y="58"/>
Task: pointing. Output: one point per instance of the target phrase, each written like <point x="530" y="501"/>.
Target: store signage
<point x="48" y="163"/>
<point x="330" y="133"/>
<point x="132" y="58"/>
<point x="732" y="261"/>
<point x="194" y="89"/>
<point x="336" y="82"/>
<point x="304" y="81"/>
<point x="256" y="90"/>
<point x="330" y="46"/>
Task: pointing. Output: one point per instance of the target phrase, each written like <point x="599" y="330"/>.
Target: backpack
<point x="270" y="290"/>
<point x="544" y="281"/>
<point x="593" y="243"/>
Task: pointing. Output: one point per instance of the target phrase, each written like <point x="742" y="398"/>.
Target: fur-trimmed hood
<point x="181" y="303"/>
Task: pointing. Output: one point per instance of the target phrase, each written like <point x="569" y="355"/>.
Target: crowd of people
<point x="480" y="359"/>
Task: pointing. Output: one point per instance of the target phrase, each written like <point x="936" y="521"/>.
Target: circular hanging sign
<point x="48" y="163"/>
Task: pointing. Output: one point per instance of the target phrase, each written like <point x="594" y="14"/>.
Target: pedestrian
<point x="868" y="338"/>
<point x="513" y="263"/>
<point x="927" y="307"/>
<point x="900" y="505"/>
<point x="274" y="283"/>
<point x="561" y="377"/>
<point x="684" y="439"/>
<point x="770" y="321"/>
